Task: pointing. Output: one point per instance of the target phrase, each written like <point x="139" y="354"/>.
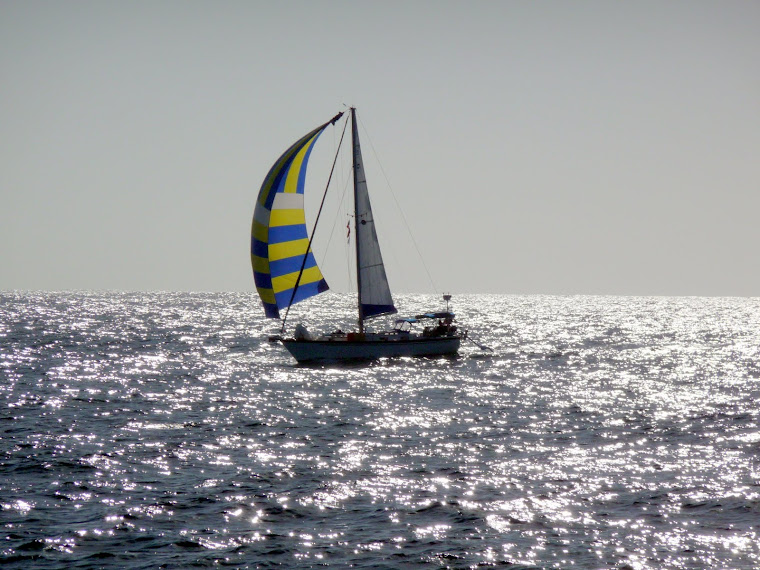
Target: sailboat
<point x="286" y="272"/>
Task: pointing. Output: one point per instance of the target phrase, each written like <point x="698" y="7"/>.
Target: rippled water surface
<point x="163" y="430"/>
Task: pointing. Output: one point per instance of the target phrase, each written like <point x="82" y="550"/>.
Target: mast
<point x="355" y="145"/>
<point x="373" y="291"/>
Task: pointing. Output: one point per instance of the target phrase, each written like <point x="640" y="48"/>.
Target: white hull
<point x="334" y="350"/>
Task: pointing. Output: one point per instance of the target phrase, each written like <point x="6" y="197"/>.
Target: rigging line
<point x="398" y="206"/>
<point x="340" y="209"/>
<point x="346" y="210"/>
<point x="340" y="203"/>
<point x="335" y="222"/>
<point x="314" y="228"/>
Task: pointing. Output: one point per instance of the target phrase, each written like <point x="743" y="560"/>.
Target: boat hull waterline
<point x="307" y="350"/>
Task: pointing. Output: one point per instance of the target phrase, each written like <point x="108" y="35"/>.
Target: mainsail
<point x="374" y="293"/>
<point x="279" y="239"/>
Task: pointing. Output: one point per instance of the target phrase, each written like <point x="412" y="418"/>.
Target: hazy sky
<point x="535" y="147"/>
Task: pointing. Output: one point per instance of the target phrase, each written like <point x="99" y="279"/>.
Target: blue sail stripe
<point x="262" y="280"/>
<point x="280" y="184"/>
<point x="259" y="248"/>
<point x="304" y="291"/>
<point x="280" y="234"/>
<point x="271" y="311"/>
<point x="302" y="175"/>
<point x="291" y="264"/>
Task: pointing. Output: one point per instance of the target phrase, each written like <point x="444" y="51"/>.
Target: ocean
<point x="163" y="430"/>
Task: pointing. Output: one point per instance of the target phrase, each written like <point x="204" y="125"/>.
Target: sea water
<point x="148" y="430"/>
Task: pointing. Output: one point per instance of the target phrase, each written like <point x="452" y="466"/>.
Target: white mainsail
<point x="374" y="293"/>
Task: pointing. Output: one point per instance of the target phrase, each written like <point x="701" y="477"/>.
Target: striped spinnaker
<point x="279" y="239"/>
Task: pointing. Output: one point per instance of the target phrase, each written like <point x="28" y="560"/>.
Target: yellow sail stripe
<point x="286" y="218"/>
<point x="267" y="295"/>
<point x="260" y="231"/>
<point x="291" y="182"/>
<point x="287" y="249"/>
<point x="260" y="264"/>
<point x="285" y="282"/>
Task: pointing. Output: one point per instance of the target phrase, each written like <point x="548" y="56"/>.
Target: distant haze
<point x="585" y="147"/>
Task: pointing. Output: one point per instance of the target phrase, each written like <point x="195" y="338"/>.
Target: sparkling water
<point x="149" y="430"/>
